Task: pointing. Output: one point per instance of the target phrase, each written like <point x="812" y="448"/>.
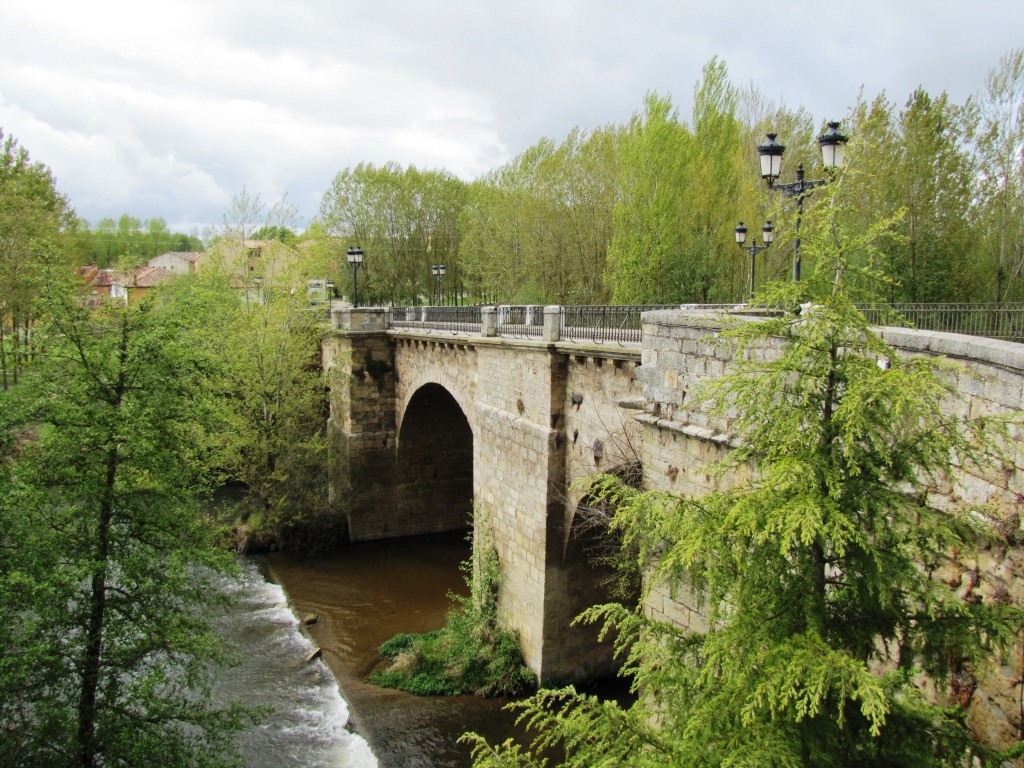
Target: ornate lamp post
<point x="439" y="270"/>
<point x="833" y="155"/>
<point x="355" y="258"/>
<point x="768" y="234"/>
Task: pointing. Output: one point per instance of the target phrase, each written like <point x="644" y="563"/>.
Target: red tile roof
<point x="148" y="277"/>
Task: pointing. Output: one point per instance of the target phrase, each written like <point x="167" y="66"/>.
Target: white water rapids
<point x="308" y="728"/>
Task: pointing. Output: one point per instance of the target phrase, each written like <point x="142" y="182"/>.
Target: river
<point x="361" y="595"/>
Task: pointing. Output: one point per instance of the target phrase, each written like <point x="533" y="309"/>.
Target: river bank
<point x="364" y="595"/>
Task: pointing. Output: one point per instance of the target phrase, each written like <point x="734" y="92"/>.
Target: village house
<point x="128" y="287"/>
<point x="178" y="262"/>
<point x="243" y="260"/>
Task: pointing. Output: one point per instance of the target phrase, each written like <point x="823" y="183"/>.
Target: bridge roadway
<point x="425" y="425"/>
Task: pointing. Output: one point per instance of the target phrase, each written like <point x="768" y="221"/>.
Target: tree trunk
<point x="3" y="353"/>
<point x="93" y="652"/>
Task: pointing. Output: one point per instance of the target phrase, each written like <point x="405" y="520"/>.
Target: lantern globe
<point x="770" y="153"/>
<point x="833" y="146"/>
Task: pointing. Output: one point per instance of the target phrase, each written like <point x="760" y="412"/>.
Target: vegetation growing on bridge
<point x="815" y="575"/>
<point x="472" y="653"/>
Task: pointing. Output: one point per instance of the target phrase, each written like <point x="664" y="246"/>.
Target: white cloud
<point x="167" y="109"/>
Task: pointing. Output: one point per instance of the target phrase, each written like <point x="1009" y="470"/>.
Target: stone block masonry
<point x="361" y="426"/>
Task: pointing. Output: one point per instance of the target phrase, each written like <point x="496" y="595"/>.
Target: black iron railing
<point x="600" y="325"/>
<point x="994" y="321"/>
<point x="450" y="319"/>
<point x="522" y="321"/>
<point x="622" y="324"/>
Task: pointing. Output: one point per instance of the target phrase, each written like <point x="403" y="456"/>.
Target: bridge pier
<point x="358" y="360"/>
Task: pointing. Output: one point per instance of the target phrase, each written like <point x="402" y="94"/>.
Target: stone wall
<point x="679" y="440"/>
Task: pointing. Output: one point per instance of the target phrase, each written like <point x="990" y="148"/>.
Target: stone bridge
<point x="424" y="423"/>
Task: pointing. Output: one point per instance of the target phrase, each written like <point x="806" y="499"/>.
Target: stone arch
<point x="419" y="365"/>
<point x="435" y="462"/>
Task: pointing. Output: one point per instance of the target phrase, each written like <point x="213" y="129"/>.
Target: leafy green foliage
<point x="104" y="553"/>
<point x="643" y="211"/>
<point x="470" y="654"/>
<point x="258" y="348"/>
<point x="812" y="564"/>
<point x="999" y="112"/>
<point x="405" y="220"/>
<point x="538" y="228"/>
<point x="34" y="220"/>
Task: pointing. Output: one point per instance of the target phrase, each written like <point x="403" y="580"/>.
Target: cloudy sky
<point x="166" y="109"/>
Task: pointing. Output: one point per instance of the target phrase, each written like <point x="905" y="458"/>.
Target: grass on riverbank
<point x="470" y="654"/>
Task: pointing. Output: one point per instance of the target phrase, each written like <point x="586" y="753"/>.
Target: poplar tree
<point x="812" y="562"/>
<point x="32" y="211"/>
<point x="999" y="142"/>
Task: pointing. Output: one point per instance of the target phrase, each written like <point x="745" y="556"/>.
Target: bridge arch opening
<point x="435" y="463"/>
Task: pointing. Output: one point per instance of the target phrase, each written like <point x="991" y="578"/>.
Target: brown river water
<point x="365" y="594"/>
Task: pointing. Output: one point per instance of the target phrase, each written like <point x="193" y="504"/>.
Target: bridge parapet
<point x="552" y="323"/>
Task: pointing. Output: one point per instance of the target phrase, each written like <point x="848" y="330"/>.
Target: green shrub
<point x="471" y="653"/>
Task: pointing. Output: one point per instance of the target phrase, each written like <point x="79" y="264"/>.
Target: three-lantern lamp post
<point x="833" y="156"/>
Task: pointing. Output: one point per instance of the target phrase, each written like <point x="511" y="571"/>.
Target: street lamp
<point x="768" y="234"/>
<point x="833" y="155"/>
<point x="439" y="270"/>
<point x="355" y="258"/>
<point x="329" y="290"/>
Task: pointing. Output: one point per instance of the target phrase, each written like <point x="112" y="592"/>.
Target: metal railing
<point x="522" y="321"/>
<point x="602" y="324"/>
<point x="449" y="319"/>
<point x="994" y="321"/>
<point x="621" y="324"/>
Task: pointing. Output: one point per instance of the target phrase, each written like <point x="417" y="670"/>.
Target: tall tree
<point x="260" y="347"/>
<point x="713" y="188"/>
<point x="33" y="214"/>
<point x="643" y="265"/>
<point x="102" y="586"/>
<point x="917" y="162"/>
<point x="1000" y="148"/>
<point x="404" y="219"/>
<point x="129" y="242"/>
<point x="538" y="228"/>
<point x="679" y="189"/>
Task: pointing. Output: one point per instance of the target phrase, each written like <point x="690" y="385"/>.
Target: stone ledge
<point x="1006" y="354"/>
<point x="705" y="434"/>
